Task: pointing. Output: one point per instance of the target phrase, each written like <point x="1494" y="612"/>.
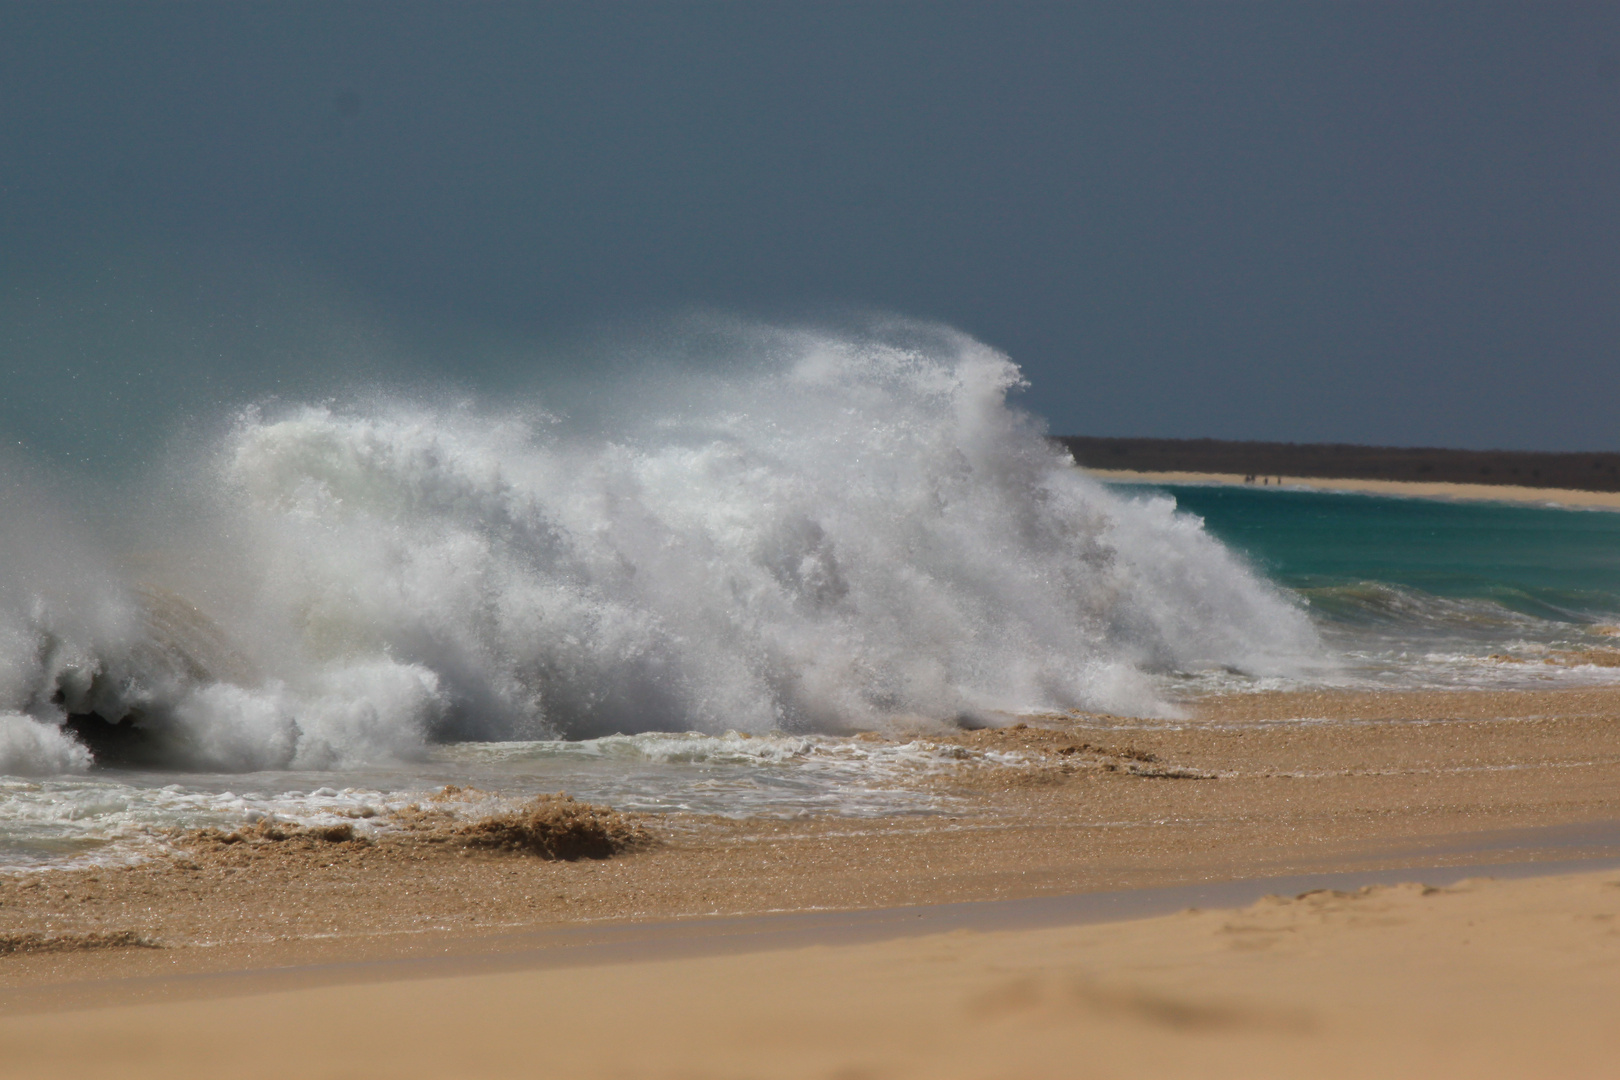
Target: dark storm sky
<point x="1370" y="223"/>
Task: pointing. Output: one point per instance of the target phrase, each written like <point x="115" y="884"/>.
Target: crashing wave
<point x="840" y="534"/>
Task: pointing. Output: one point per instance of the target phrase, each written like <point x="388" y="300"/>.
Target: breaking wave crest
<point x="835" y="535"/>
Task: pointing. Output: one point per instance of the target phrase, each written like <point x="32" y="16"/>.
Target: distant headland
<point x="1598" y="472"/>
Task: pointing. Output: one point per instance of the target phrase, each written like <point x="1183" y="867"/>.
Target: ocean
<point x="1410" y="592"/>
<point x="686" y="590"/>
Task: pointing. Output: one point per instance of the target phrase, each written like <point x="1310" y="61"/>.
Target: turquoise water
<point x="1430" y="592"/>
<point x="1550" y="563"/>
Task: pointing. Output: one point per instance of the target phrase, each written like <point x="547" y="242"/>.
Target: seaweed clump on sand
<point x="556" y="827"/>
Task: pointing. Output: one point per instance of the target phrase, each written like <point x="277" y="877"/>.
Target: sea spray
<point x="835" y="534"/>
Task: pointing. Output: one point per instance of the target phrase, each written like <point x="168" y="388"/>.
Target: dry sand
<point x="1390" y="983"/>
<point x="1486" y="979"/>
<point x="1414" y="489"/>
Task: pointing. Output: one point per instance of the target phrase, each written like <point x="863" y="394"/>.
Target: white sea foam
<point x="114" y="819"/>
<point x="118" y="817"/>
<point x="29" y="747"/>
<point x="835" y="534"/>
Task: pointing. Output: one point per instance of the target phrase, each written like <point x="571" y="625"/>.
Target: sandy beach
<point x="1608" y="500"/>
<point x="147" y="964"/>
<point x="1479" y="979"/>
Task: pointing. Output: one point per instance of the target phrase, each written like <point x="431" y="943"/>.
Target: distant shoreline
<point x="1420" y="489"/>
<point x="1314" y="462"/>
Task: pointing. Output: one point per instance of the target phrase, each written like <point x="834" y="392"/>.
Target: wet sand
<point x="1248" y="786"/>
<point x="1609" y="500"/>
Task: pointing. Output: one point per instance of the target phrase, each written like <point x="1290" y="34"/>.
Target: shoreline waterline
<point x="1248" y="786"/>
